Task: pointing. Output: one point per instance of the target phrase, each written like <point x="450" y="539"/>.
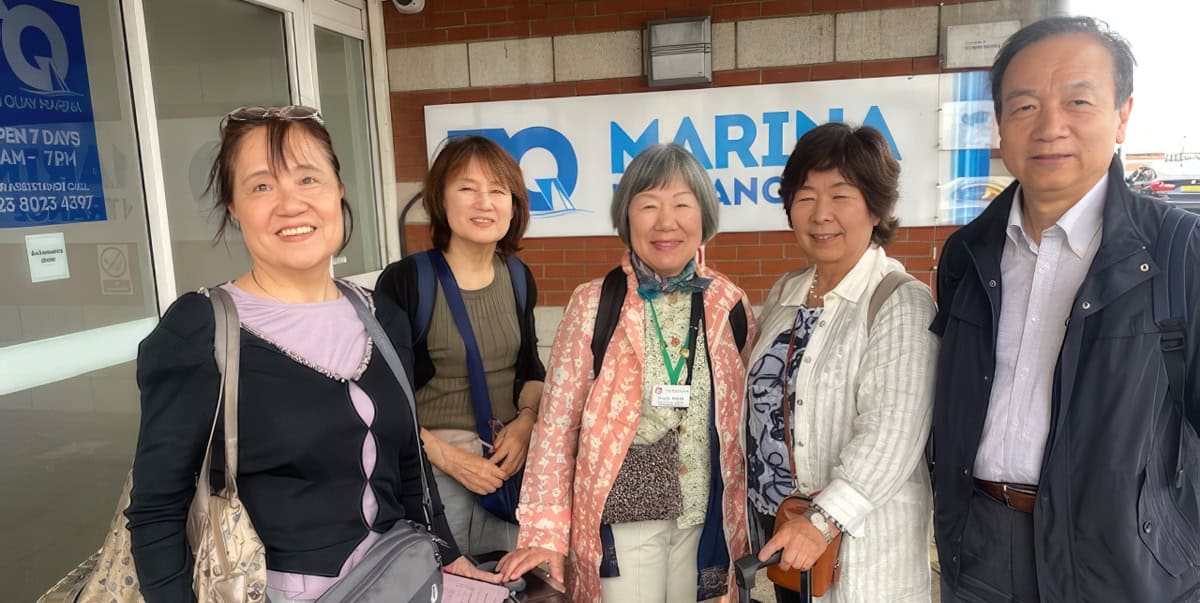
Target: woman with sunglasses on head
<point x="328" y="455"/>
<point x="476" y="427"/>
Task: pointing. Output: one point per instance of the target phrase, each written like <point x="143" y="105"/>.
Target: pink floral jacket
<point x="585" y="428"/>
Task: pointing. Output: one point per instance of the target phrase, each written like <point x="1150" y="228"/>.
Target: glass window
<point x="208" y="57"/>
<point x="68" y="399"/>
<point x="342" y="76"/>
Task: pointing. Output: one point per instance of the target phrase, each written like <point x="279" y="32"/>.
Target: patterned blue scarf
<point x="651" y="285"/>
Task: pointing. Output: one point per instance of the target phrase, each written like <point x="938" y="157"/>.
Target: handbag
<point x="404" y="564"/>
<point x="647" y="485"/>
<point x="230" y="560"/>
<point x="826" y="571"/>
<point x="503" y="501"/>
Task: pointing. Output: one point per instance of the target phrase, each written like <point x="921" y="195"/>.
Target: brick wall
<point x="447" y="54"/>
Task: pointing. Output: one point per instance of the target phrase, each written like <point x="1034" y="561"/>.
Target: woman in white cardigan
<point x="860" y="394"/>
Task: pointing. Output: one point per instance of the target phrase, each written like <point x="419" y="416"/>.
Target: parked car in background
<point x="1183" y="191"/>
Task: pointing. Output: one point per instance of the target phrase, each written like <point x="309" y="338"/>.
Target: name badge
<point x="671" y="396"/>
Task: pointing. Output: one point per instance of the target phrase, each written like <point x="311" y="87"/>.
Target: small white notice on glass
<point x="47" y="257"/>
<point x="456" y="589"/>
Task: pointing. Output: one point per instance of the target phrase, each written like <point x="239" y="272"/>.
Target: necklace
<point x="812" y="289"/>
<point x="264" y="289"/>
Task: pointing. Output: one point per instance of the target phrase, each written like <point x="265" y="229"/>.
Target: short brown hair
<point x="454" y="157"/>
<point x="862" y="156"/>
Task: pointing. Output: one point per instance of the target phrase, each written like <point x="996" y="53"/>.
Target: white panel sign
<point x="47" y="257"/>
<point x="574" y="150"/>
<point x="976" y="44"/>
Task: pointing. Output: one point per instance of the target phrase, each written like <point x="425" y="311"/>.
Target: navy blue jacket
<point x="1110" y="525"/>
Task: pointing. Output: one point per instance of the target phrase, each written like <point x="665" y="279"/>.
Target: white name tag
<point x="671" y="396"/>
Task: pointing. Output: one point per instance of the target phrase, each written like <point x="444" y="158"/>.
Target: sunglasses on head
<point x="288" y="113"/>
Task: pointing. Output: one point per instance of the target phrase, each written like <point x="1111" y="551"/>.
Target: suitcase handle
<point x="745" y="571"/>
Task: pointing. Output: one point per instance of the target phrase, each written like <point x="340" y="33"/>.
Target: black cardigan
<point x="300" y="451"/>
<point x="399" y="283"/>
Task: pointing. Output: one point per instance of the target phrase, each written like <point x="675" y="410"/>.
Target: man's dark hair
<point x="1117" y="46"/>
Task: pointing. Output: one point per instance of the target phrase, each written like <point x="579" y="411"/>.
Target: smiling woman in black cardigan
<point x="328" y="457"/>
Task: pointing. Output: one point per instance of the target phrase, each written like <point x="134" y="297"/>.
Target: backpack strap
<point x="1169" y="297"/>
<point x="520" y="282"/>
<point x="891" y="281"/>
<point x="739" y="324"/>
<point x="612" y="299"/>
<point x="426" y="292"/>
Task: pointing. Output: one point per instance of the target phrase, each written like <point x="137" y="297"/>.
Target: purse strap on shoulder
<point x="357" y="299"/>
<point x="227" y="351"/>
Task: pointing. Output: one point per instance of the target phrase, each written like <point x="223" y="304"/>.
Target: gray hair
<point x="655" y="167"/>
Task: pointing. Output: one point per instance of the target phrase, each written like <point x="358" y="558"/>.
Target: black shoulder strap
<point x="739" y="323"/>
<point x="426" y="290"/>
<point x="612" y="299"/>
<point x="1169" y="296"/>
<point x="520" y="281"/>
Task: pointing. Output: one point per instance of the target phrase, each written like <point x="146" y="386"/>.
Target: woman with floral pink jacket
<point x="637" y="474"/>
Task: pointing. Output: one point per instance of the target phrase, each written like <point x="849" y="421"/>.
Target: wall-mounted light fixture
<point x="678" y="51"/>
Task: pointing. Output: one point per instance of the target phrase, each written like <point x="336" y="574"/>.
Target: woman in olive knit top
<point x="478" y="208"/>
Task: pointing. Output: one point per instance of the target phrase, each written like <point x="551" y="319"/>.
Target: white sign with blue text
<point x="574" y="150"/>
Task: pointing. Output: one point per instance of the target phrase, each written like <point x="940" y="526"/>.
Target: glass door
<point x="208" y="57"/>
<point x="211" y="56"/>
<point x="79" y="290"/>
<point x="145" y="83"/>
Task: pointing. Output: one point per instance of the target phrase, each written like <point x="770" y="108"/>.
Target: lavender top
<point x="329" y="337"/>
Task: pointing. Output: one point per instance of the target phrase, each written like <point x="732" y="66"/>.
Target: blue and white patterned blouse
<point x="769" y="472"/>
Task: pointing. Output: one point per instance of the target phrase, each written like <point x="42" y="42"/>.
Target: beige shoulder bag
<point x="230" y="560"/>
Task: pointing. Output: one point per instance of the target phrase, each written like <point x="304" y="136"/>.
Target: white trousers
<point x="657" y="560"/>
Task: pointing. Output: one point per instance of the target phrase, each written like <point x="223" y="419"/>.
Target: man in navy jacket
<point x="1055" y="442"/>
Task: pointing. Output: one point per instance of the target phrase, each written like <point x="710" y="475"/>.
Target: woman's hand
<point x="802" y="544"/>
<point x="517" y="563"/>
<point x="463" y="567"/>
<point x="513" y="444"/>
<point x="475" y="473"/>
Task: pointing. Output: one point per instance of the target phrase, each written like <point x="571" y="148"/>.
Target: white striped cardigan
<point x="861" y="423"/>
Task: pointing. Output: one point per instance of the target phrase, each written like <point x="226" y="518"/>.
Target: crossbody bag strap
<point x="891" y="281"/>
<point x="481" y="398"/>
<point x="384" y="345"/>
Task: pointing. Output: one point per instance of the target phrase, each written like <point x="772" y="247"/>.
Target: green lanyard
<point x="672" y="373"/>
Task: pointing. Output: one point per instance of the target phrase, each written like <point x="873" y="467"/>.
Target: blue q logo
<point x="552" y="196"/>
<point x="45" y="75"/>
